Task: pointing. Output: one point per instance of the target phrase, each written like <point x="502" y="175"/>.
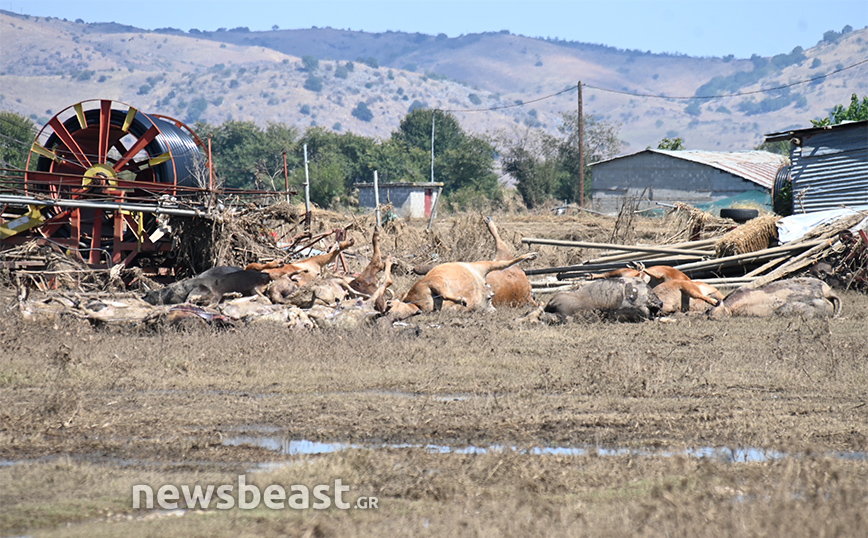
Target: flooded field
<point x="453" y="425"/>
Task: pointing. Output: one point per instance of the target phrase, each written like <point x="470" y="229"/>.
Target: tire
<point x="739" y="215"/>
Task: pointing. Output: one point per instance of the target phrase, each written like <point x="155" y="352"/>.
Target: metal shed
<point x="689" y="176"/>
<point x="829" y="166"/>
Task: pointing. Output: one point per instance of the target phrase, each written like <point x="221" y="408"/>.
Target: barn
<point x="690" y="176"/>
<point x="829" y="168"/>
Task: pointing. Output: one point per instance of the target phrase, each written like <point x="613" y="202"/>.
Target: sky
<point x="690" y="27"/>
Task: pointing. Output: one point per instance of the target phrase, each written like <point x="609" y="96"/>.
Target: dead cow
<point x="620" y="299"/>
<point x="355" y="312"/>
<point x="510" y="287"/>
<point x="178" y="292"/>
<point x="687" y="296"/>
<point x="302" y="271"/>
<point x="455" y="285"/>
<point x="366" y="282"/>
<point x="213" y="288"/>
<point x="654" y="275"/>
<point x="806" y="297"/>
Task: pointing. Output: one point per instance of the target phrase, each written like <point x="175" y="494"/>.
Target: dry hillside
<point x="49" y="64"/>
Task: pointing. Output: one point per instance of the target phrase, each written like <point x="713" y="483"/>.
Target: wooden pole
<point x="802" y="260"/>
<point x="432" y="145"/>
<point x="581" y="128"/>
<point x="748" y="257"/>
<point x="210" y="167"/>
<point x="306" y="190"/>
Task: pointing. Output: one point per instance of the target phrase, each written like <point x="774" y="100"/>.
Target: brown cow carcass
<point x="454" y="285"/>
<point x="510" y="286"/>
<point x="687" y="296"/>
<point x="653" y="275"/>
<point x="303" y="271"/>
<point x="806" y="297"/>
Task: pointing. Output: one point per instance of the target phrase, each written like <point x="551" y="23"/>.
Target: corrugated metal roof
<point x="795" y="133"/>
<point x="758" y="167"/>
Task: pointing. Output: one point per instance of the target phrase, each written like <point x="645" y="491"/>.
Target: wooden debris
<point x="742" y="257"/>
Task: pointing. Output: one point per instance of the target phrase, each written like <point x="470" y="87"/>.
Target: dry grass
<point x="86" y="412"/>
<point x="751" y="236"/>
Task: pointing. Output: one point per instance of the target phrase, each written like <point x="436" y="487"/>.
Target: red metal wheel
<point x="99" y="156"/>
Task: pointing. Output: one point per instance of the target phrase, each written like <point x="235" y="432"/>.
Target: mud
<point x="468" y="424"/>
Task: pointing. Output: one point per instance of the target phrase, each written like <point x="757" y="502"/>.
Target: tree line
<point x="471" y="168"/>
<point x="543" y="167"/>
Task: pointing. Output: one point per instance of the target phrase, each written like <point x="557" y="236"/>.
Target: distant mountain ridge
<point x="48" y="64"/>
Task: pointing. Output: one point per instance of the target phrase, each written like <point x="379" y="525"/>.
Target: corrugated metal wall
<point x="666" y="178"/>
<point x="830" y="169"/>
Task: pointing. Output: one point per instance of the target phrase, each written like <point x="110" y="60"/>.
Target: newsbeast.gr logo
<point x="275" y="497"/>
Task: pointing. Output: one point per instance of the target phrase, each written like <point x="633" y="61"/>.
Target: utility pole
<point x="307" y="215"/>
<point x="432" y="145"/>
<point x="581" y="128"/>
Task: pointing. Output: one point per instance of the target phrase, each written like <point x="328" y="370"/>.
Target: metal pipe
<point x="29" y="200"/>
<point x="285" y="177"/>
<point x="609" y="246"/>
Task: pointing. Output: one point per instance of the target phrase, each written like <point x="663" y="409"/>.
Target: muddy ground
<point x="460" y="425"/>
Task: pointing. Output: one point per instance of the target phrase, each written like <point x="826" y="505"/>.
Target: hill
<point x="319" y="76"/>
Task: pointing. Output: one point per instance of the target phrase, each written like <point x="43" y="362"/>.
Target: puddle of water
<point x="456" y="397"/>
<point x="299" y="447"/>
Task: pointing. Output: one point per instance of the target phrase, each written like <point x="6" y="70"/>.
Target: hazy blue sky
<point x="692" y="27"/>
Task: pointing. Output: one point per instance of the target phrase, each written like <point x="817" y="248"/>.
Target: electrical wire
<point x="658" y="96"/>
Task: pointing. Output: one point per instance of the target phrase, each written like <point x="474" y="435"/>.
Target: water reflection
<point x="296" y="447"/>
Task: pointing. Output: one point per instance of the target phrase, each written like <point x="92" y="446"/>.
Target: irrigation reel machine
<point x="101" y="180"/>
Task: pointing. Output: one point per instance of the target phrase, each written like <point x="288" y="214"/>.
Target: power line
<point x="737" y="94"/>
<point x="658" y="96"/>
<point x="522" y="103"/>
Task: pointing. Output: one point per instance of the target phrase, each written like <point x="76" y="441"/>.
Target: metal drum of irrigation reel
<point x="105" y="173"/>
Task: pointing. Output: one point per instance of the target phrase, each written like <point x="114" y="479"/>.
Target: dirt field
<point x="458" y="425"/>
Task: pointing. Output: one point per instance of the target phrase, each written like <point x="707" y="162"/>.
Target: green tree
<point x="537" y="173"/>
<point x="313" y="83"/>
<point x="672" y="144"/>
<point x="460" y="160"/>
<point x="781" y="147"/>
<point x="600" y="142"/>
<point x="336" y="162"/>
<point x="857" y="111"/>
<point x="17" y="133"/>
<point x="310" y="63"/>
<point x="362" y="112"/>
<point x="247" y="157"/>
<point x="547" y="167"/>
<point x="394" y="162"/>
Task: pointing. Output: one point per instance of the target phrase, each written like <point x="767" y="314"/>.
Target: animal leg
<point x="501" y="250"/>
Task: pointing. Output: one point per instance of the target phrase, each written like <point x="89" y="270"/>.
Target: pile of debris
<point x="835" y="247"/>
<point x="131" y="311"/>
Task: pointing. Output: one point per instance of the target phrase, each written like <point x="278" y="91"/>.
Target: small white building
<point x="410" y="200"/>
